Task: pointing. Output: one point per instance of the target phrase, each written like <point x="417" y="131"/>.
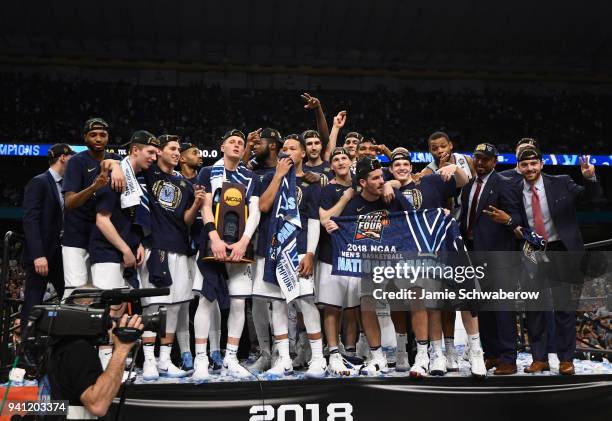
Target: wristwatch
<point x="509" y="222"/>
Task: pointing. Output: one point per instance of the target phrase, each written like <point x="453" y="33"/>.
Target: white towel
<point x="132" y="193"/>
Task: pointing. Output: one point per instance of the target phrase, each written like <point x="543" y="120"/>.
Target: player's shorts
<point x="77" y="270"/>
<point x="181" y="288"/>
<point x="239" y="279"/>
<point x="270" y="291"/>
<point x="337" y="291"/>
<point x="108" y="275"/>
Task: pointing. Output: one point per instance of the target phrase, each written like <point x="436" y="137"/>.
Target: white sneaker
<point x="124" y="377"/>
<point x="363" y="349"/>
<point x="477" y="364"/>
<point x="338" y="366"/>
<point x="282" y="367"/>
<point x="149" y="369"/>
<point x="374" y="367"/>
<point x="452" y="363"/>
<point x="437" y="365"/>
<point x="553" y="361"/>
<point x="401" y="361"/>
<point x="420" y="366"/>
<point x="317" y="368"/>
<point x="263" y="363"/>
<point x="200" y="367"/>
<point x="167" y="369"/>
<point x="466" y="351"/>
<point x="231" y="367"/>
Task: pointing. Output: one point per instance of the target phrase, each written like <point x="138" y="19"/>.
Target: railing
<point x="5" y="305"/>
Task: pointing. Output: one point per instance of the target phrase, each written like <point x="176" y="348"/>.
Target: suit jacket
<point x="562" y="195"/>
<point x="511" y="174"/>
<point x="489" y="235"/>
<point x="42" y="219"/>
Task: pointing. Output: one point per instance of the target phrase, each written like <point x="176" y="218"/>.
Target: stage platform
<point x="395" y="396"/>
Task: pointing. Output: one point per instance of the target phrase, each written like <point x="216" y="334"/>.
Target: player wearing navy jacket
<point x="239" y="281"/>
<point x="86" y="173"/>
<point x="174" y="203"/>
<point x="429" y="192"/>
<point x="115" y="242"/>
<point x="339" y="294"/>
<point x="308" y="237"/>
<point x="371" y="180"/>
<point x="190" y="161"/>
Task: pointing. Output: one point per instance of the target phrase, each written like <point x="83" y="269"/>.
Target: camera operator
<point x="76" y="375"/>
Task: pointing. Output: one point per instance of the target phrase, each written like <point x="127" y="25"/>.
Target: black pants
<point x="563" y="314"/>
<point x="36" y="285"/>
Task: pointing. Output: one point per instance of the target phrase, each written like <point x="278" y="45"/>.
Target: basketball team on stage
<point x="144" y="221"/>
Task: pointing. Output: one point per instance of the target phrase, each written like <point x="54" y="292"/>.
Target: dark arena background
<point x="482" y="72"/>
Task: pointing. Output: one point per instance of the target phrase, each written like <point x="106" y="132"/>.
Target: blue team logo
<point x="168" y="195"/>
<point x="371" y="225"/>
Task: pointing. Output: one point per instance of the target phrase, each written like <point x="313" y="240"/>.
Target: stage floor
<point x="394" y="396"/>
<point x="524" y="360"/>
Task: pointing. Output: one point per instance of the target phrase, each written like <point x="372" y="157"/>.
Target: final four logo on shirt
<point x="370" y="226"/>
<point x="168" y="195"/>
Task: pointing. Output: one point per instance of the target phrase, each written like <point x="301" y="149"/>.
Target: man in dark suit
<point x="483" y="235"/>
<point x="515" y="175"/>
<point x="43" y="205"/>
<point x="549" y="208"/>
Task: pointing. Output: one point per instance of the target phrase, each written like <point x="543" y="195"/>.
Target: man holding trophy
<point x="230" y="214"/>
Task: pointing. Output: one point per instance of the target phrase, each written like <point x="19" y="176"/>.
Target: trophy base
<point x="249" y="256"/>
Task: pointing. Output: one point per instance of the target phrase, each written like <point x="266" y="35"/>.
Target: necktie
<point x="472" y="214"/>
<point x="538" y="217"/>
<point x="60" y="184"/>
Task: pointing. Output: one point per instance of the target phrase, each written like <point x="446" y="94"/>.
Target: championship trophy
<point x="231" y="213"/>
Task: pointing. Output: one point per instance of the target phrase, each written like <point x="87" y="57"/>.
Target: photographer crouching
<point x="75" y="373"/>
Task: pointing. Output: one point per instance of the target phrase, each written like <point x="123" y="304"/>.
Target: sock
<point x="449" y="342"/>
<point x="182" y="337"/>
<point x="316" y="347"/>
<point x="402" y="340"/>
<point x="105" y="352"/>
<point x="436" y="345"/>
<point x="474" y="341"/>
<point x="283" y="348"/>
<point x="422" y="346"/>
<point x="376" y="352"/>
<point x="200" y="348"/>
<point x="333" y="350"/>
<point x="164" y="352"/>
<point x="350" y="350"/>
<point x="149" y="351"/>
<point x="231" y="350"/>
